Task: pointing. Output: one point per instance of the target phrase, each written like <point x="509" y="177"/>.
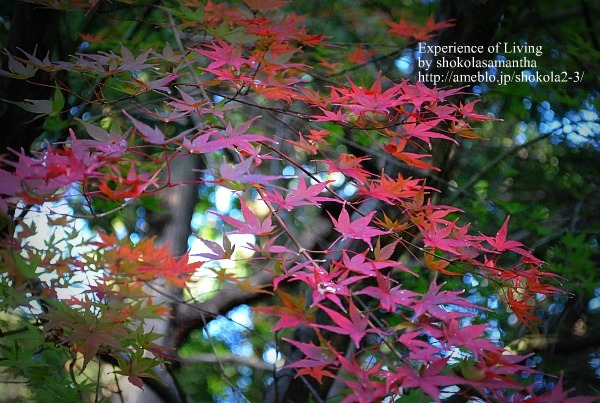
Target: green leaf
<point x="58" y="102"/>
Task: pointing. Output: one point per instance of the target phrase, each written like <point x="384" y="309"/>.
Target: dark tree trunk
<point x="32" y="29"/>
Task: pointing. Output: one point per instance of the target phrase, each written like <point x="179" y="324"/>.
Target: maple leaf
<point x="293" y="312"/>
<point x="389" y="297"/>
<point x="136" y="368"/>
<point x="467" y="336"/>
<point x="233" y="137"/>
<point x="325" y="285"/>
<point x="329" y="116"/>
<point x="466" y="111"/>
<point x="501" y="244"/>
<point x="360" y="100"/>
<point x="133" y="185"/>
<point x="304" y="144"/>
<point x="112" y="144"/>
<point x="129" y="62"/>
<point x="315" y="362"/>
<point x="357" y="229"/>
<point x="154" y="135"/>
<point x="360" y="55"/>
<point x="419" y="350"/>
<point x="432" y="302"/>
<point x="301" y="196"/>
<point x="17" y="69"/>
<point x="251" y="225"/>
<point x="391" y="190"/>
<point x="438" y="265"/>
<point x="490" y="373"/>
<point x="423" y="130"/>
<point x="349" y="165"/>
<point x="223" y="54"/>
<point x="330" y="66"/>
<point x="217" y="252"/>
<point x="232" y="174"/>
<point x="436" y="236"/>
<point x="356" y="327"/>
<point x="418" y="32"/>
<point x="401" y="28"/>
<point x="269" y="247"/>
<point x="396" y="148"/>
<point x="157" y="85"/>
<point x="559" y="395"/>
<point x="429" y="378"/>
<point x="521" y="305"/>
<point x="367" y="387"/>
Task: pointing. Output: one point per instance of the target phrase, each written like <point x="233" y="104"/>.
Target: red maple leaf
<point x="559" y="395"/>
<point x="360" y="55"/>
<point x="349" y="165"/>
<point x="293" y="312"/>
<point x="391" y="190"/>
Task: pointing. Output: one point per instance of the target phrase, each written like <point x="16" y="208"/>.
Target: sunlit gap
<point x="44" y="218"/>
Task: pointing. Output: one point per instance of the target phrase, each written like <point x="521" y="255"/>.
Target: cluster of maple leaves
<point x="252" y="57"/>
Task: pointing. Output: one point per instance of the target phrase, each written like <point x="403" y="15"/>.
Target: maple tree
<point x="207" y="96"/>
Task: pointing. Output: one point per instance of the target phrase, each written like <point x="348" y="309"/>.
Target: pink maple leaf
<point x="252" y="224"/>
<point x="429" y="378"/>
<point x="356" y="327"/>
<point x="389" y="297"/>
<point x="223" y="54"/>
<point x="301" y="196"/>
<point x="357" y="229"/>
<point x="315" y="361"/>
<point x="501" y="244"/>
<point x="433" y="300"/>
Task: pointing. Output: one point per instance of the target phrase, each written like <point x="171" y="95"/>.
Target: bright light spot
<point x="134" y="238"/>
<point x="223" y="197"/>
<point x="288" y="171"/>
<point x="449" y="391"/>
<point x="349" y="190"/>
<point x="594" y="304"/>
<point x="337" y="177"/>
<point x="244" y="349"/>
<point x="520" y="138"/>
<point x="259" y="207"/>
<point x="271" y="356"/>
<point x="588" y="115"/>
<point x="240" y="240"/>
<point x="548" y="115"/>
<point x="198" y="220"/>
<point x="119" y="228"/>
<point x="242" y="315"/>
<point x="405" y="64"/>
